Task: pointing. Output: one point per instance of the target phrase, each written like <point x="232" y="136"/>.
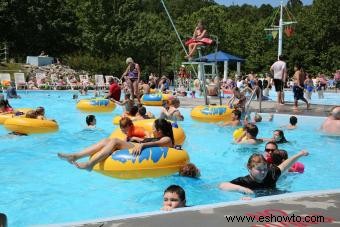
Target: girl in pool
<point x="162" y="131"/>
<point x="261" y="174"/>
<point x="278" y="137"/>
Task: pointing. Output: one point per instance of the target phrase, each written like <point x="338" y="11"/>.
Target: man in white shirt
<point x="279" y="70"/>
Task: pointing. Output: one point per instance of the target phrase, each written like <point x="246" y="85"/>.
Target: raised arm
<point x="290" y="161"/>
<point x="227" y="186"/>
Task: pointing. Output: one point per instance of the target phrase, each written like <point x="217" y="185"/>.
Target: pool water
<point x="330" y="98"/>
<point x="36" y="187"/>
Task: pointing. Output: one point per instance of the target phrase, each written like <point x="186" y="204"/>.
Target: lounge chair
<point x="99" y="81"/>
<point x="20" y="80"/>
<point x="5" y="79"/>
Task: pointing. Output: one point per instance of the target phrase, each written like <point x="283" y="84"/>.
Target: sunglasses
<point x="269" y="150"/>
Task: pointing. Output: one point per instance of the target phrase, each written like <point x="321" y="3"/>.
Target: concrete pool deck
<point x="319" y="208"/>
<point x="266" y="106"/>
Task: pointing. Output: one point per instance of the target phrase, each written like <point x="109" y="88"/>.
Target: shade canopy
<point x="220" y="56"/>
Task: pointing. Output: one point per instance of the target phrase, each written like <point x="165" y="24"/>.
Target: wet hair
<point x="282" y="135"/>
<point x="166" y="128"/>
<point x="40" y="110"/>
<point x="133" y="111"/>
<point x="278" y="156"/>
<point x="189" y="170"/>
<point x="142" y="111"/>
<point x="258" y="118"/>
<point x="255" y="159"/>
<point x="271" y="142"/>
<point x="124" y="122"/>
<point x="178" y="190"/>
<point x="175" y="101"/>
<point x="31" y="114"/>
<point x="293" y="120"/>
<point x="90" y="119"/>
<point x="336" y="112"/>
<point x="237" y="113"/>
<point x="252" y="129"/>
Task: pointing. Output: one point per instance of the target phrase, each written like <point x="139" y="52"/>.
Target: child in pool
<point x="278" y="137"/>
<point x="249" y="135"/>
<point x="91" y="121"/>
<point x="174" y="197"/>
<point x="261" y="174"/>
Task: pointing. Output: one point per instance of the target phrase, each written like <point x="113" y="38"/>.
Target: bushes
<point x="96" y="65"/>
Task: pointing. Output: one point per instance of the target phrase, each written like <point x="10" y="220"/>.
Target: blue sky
<point x="257" y="2"/>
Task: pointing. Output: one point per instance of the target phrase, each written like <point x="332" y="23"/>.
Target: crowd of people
<point x="264" y="168"/>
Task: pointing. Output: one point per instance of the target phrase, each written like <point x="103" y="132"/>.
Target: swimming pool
<point x="330" y="98"/>
<point x="38" y="188"/>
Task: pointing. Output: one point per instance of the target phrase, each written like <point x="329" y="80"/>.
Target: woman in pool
<point x="278" y="137"/>
<point x="261" y="174"/>
<point x="162" y="131"/>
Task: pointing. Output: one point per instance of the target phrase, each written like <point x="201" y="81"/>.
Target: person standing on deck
<point x="279" y="70"/>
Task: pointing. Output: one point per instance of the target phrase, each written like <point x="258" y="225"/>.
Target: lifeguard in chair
<point x="200" y="38"/>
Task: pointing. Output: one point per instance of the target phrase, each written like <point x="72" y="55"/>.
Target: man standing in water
<point x="279" y="70"/>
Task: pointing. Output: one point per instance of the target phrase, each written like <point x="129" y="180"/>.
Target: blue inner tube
<point x="152" y="97"/>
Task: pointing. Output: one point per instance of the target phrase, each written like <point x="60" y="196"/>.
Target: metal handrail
<point x="246" y="109"/>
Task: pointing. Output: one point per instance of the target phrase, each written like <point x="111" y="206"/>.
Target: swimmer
<point x="235" y="119"/>
<point x="91" y="121"/>
<point x="292" y="123"/>
<point x="174" y="197"/>
<point x="332" y="123"/>
<point x="261" y="174"/>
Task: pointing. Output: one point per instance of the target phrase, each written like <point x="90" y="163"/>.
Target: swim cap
<point x="297" y="167"/>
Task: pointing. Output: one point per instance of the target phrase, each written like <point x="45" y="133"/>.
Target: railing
<point x="252" y="96"/>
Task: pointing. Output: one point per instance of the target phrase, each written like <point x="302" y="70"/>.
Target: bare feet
<point x="83" y="165"/>
<point x="68" y="157"/>
<point x="308" y="106"/>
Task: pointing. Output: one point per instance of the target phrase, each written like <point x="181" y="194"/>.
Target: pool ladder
<point x="247" y="106"/>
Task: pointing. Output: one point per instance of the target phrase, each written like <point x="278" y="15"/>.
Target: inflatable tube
<point x="4" y="117"/>
<point x="152" y="162"/>
<point x="155" y="99"/>
<point x="96" y="105"/>
<point x="238" y="133"/>
<point x="152" y="100"/>
<point x="179" y="134"/>
<point x="30" y="126"/>
<point x="211" y="113"/>
<point x="116" y="119"/>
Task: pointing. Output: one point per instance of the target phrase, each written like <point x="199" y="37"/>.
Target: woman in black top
<point x="261" y="175"/>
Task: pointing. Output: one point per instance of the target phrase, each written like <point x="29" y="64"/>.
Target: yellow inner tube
<point x="30" y="126"/>
<point x="4" y="117"/>
<point x="96" y="105"/>
<point x="211" y="113"/>
<point x="179" y="134"/>
<point x="238" y="133"/>
<point x="152" y="162"/>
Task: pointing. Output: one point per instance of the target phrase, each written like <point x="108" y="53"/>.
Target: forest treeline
<point x="97" y="36"/>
